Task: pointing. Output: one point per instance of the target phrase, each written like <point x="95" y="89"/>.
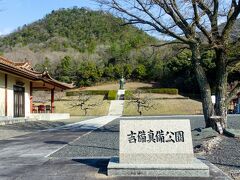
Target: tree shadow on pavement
<point x="92" y="146"/>
<point x="55" y="142"/>
<point x="224" y="164"/>
<point x="99" y="163"/>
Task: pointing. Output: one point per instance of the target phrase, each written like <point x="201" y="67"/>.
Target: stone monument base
<point x="194" y="169"/>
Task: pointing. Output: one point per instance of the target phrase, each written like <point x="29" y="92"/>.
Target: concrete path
<point x="21" y="157"/>
<point x="90" y="124"/>
<point x="27" y="157"/>
<point x="116" y="108"/>
<point x="120" y="94"/>
<point x="20" y="154"/>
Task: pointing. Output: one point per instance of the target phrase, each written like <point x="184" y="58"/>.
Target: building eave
<point x="19" y="69"/>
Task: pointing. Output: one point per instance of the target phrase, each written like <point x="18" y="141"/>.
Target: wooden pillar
<point x="31" y="98"/>
<point x="6" y="95"/>
<point x="238" y="103"/>
<point x="52" y="100"/>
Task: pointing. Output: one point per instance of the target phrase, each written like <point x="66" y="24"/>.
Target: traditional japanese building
<point x="234" y="105"/>
<point x="17" y="82"/>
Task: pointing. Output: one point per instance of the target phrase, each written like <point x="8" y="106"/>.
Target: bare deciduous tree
<point x="141" y="102"/>
<point x="194" y="23"/>
<point x="84" y="102"/>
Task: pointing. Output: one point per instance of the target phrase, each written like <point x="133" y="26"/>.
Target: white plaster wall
<point x="2" y="94"/>
<point x="27" y="98"/>
<point x="11" y="82"/>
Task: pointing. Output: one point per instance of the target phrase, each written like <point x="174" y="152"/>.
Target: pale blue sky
<point x="16" y="13"/>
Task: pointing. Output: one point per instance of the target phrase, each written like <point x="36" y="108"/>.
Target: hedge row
<point x="159" y="90"/>
<point x="112" y="95"/>
<point x="163" y="91"/>
<point x="90" y="92"/>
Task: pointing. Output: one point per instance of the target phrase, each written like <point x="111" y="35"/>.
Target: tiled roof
<point x="24" y="68"/>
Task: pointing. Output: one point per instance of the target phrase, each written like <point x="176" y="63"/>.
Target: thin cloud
<point x="5" y="31"/>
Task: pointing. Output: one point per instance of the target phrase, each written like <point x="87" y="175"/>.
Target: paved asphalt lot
<point x="73" y="153"/>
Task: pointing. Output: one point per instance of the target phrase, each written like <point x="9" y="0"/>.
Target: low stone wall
<point x="10" y="120"/>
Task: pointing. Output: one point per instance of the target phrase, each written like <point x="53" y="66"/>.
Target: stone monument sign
<point x="156" y="148"/>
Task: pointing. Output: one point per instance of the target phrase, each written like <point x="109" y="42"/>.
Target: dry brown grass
<point x="167" y="107"/>
<point x="100" y="110"/>
<point x="65" y="106"/>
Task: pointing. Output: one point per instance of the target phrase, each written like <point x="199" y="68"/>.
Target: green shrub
<point x="164" y="91"/>
<point x="72" y="93"/>
<point x="97" y="92"/>
<point x="159" y="90"/>
<point x="112" y="95"/>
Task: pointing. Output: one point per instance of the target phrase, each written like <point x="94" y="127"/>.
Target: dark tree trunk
<point x="204" y="87"/>
<point x="221" y="87"/>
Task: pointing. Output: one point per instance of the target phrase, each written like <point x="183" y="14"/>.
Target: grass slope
<point x="166" y="107"/>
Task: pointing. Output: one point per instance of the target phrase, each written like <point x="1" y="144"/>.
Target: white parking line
<point x="91" y="124"/>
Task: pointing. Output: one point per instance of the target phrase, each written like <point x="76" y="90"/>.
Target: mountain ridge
<point x="80" y="30"/>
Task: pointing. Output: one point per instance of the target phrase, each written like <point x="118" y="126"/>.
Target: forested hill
<point x="80" y="29"/>
<point x="85" y="47"/>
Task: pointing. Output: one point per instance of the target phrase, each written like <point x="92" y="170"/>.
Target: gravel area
<point x="226" y="155"/>
<point x="103" y="142"/>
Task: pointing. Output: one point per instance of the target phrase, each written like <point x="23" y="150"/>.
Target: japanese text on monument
<point x="159" y="136"/>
